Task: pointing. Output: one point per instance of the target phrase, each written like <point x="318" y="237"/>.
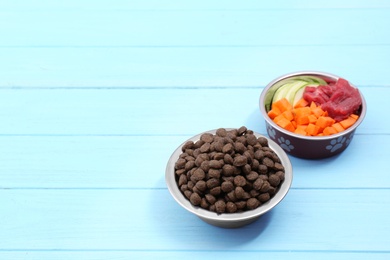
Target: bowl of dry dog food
<point x="312" y="114"/>
<point x="229" y="177"/>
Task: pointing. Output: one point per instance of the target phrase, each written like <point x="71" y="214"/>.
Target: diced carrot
<point x="278" y="118"/>
<point x="329" y="130"/>
<point x="324" y="121"/>
<point x="274" y="112"/>
<point x="354" y="116"/>
<point x="303" y="127"/>
<point x="283" y="105"/>
<point x="302" y="120"/>
<point x="294" y="123"/>
<point x="317" y="111"/>
<point x="346" y="123"/>
<point x="300" y="111"/>
<point x="301" y="103"/>
<point x="312" y="119"/>
<point x="338" y="127"/>
<point x="312" y="129"/>
<point x="300" y="131"/>
<point x="288" y="114"/>
<point x="286" y="124"/>
<point x="312" y="105"/>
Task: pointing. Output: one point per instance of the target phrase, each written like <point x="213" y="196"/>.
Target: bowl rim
<point x="229" y="217"/>
<point x="303" y="137"/>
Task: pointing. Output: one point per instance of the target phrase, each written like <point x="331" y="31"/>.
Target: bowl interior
<point x="329" y="78"/>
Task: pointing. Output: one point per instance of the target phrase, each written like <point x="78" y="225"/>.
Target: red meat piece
<point x="339" y="99"/>
<point x="344" y="101"/>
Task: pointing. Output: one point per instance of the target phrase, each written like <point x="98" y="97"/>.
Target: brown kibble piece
<point x="227" y="186"/>
<point x="268" y="162"/>
<point x="228" y="159"/>
<point x="239" y="147"/>
<point x="205" y="165"/>
<point x="221" y="132"/>
<point x="215" y="164"/>
<point x="280" y="174"/>
<point x="251" y="139"/>
<point x="219" y="156"/>
<point x="274" y="180"/>
<point x="239" y="192"/>
<point x="189" y="165"/>
<point x="246" y="169"/>
<point x="215" y="191"/>
<point x="258" y="184"/>
<point x="188" y="194"/>
<point x="207" y="137"/>
<point x="239" y="181"/>
<point x="262" y="169"/>
<point x="214" y="173"/>
<point x="252" y="203"/>
<point x="228" y="170"/>
<point x="180" y="172"/>
<point x="220" y="206"/>
<point x="228" y="148"/>
<point x="180" y="164"/>
<point x="182" y="179"/>
<point x="205" y="148"/>
<point x="240" y="204"/>
<point x="198" y="175"/>
<point x="231" y="207"/>
<point x="211" y="183"/>
<point x="263" y="141"/>
<point x="252" y="176"/>
<point x="232" y="196"/>
<point x="198" y="144"/>
<point x="264" y="197"/>
<point x="240" y="160"/>
<point x="278" y="167"/>
<point x="218" y="146"/>
<point x="210" y="198"/>
<point x="201" y="185"/>
<point x="204" y="204"/>
<point x="241" y="130"/>
<point x="266" y="186"/>
<point x="188" y="145"/>
<point x="195" y="199"/>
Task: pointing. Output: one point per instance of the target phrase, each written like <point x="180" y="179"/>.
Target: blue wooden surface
<point x="96" y="95"/>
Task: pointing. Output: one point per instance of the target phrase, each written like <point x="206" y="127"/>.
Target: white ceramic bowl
<point x="229" y="220"/>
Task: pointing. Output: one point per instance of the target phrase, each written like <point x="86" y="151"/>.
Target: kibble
<point x="231" y="171"/>
<point x="239" y="160"/>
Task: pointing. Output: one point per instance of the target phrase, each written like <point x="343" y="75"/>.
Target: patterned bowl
<point x="309" y="147"/>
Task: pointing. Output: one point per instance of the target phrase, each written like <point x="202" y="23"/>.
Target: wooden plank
<point x="336" y="220"/>
<point x="147" y="111"/>
<point x="169" y="255"/>
<point x="148" y="5"/>
<point x="196" y="27"/>
<point x="134" y="162"/>
<point x="185" y="66"/>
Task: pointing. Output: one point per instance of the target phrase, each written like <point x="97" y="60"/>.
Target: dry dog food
<point x="231" y="171"/>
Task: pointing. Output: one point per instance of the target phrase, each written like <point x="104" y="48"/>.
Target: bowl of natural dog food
<point x="311" y="114"/>
<point x="229" y="177"/>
